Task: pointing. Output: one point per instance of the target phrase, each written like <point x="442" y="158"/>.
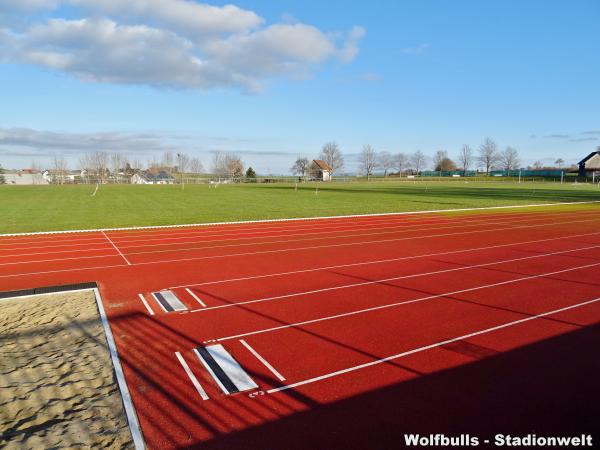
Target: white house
<point x="321" y="170"/>
<point x="24" y="178"/>
<point x="148" y="177"/>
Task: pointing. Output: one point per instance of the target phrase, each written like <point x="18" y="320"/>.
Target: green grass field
<point x="45" y="208"/>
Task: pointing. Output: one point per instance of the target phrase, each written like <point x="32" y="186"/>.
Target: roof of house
<point x="153" y="176"/>
<point x="322" y="164"/>
<point x="588" y="157"/>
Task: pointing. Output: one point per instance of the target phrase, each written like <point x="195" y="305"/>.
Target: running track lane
<point x="553" y="267"/>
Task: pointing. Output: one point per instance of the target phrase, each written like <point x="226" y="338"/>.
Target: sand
<point x="57" y="385"/>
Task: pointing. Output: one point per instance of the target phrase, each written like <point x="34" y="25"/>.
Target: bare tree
<point x="167" y="162"/>
<point x="438" y="159"/>
<point x="300" y="167"/>
<point x="401" y="162"/>
<point x="386" y="162"/>
<point x="116" y="164"/>
<point x="183" y="161"/>
<point x="537" y="164"/>
<point x="418" y="161"/>
<point x="227" y="164"/>
<point x="196" y="166"/>
<point x="488" y="154"/>
<point x="509" y="159"/>
<point x="559" y="162"/>
<point x="60" y="168"/>
<point x="368" y="160"/>
<point x="465" y="158"/>
<point x="331" y="154"/>
<point x="99" y="165"/>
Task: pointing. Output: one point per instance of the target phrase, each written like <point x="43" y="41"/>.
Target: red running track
<point x="355" y="330"/>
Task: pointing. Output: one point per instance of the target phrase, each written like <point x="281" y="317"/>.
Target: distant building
<point x="320" y="170"/>
<point x="148" y="177"/>
<point x="24" y="177"/>
<point x="590" y="164"/>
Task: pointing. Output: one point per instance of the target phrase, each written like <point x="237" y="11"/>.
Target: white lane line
<point x="263" y="360"/>
<point x="132" y="419"/>
<point x="293" y="249"/>
<point x="401" y="277"/>
<point x="299" y="219"/>
<point x="150" y="311"/>
<point x="189" y="291"/>
<point x="116" y="248"/>
<point x="336" y="227"/>
<point x="193" y="248"/>
<point x="345" y="244"/>
<point x="394" y="229"/>
<point x="381" y="261"/>
<point x="192" y="377"/>
<point x="16" y="263"/>
<point x="429" y="347"/>
<point x="85" y="250"/>
<point x="402" y="303"/>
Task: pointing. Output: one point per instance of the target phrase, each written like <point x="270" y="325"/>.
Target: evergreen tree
<point x="2" y="177"/>
<point x="250" y="173"/>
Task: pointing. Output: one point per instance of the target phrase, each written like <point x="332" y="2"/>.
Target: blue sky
<point x="273" y="80"/>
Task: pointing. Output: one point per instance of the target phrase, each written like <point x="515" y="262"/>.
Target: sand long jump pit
<point x="58" y="386"/>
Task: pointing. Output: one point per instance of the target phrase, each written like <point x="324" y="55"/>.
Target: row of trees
<point x="487" y="156"/>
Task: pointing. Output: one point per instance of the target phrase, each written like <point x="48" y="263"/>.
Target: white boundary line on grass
<point x="134" y="425"/>
<point x="429" y="347"/>
<point x="241" y="222"/>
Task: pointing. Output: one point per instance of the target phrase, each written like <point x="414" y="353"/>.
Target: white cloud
<point x="176" y="44"/>
<point x="417" y="50"/>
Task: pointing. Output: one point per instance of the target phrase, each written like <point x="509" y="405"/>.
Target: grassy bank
<point x="44" y="208"/>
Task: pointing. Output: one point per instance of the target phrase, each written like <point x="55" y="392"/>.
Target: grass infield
<point x="49" y="208"/>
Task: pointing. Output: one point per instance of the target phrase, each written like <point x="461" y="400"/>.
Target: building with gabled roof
<point x="590" y="164"/>
<point x="320" y="170"/>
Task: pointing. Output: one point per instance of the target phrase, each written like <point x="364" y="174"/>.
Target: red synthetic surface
<point x="314" y="298"/>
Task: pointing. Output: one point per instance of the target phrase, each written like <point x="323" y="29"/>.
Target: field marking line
<point x="150" y="310"/>
<point x="35" y="261"/>
<point x="201" y="245"/>
<point x="195" y="297"/>
<point x="401" y="277"/>
<point x="395" y="225"/>
<point x="316" y="237"/>
<point x="263" y="360"/>
<point x="402" y="213"/>
<point x="192" y="377"/>
<point x="85" y="250"/>
<point x="263" y="252"/>
<point x="196" y="248"/>
<point x="116" y="248"/>
<point x="380" y="261"/>
<point x="132" y="419"/>
<point x="402" y="303"/>
<point x="429" y="347"/>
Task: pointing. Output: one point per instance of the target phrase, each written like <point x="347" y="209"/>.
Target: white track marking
<point x="395" y="229"/>
<point x="17" y="263"/>
<point x="345" y="244"/>
<point x="192" y="377"/>
<point x="263" y="252"/>
<point x="195" y="297"/>
<point x="134" y="426"/>
<point x="116" y="248"/>
<point x="241" y="222"/>
<point x="150" y="311"/>
<point x="401" y="277"/>
<point x="402" y="303"/>
<point x="380" y="261"/>
<point x="263" y="360"/>
<point x="194" y="248"/>
<point x="429" y="347"/>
